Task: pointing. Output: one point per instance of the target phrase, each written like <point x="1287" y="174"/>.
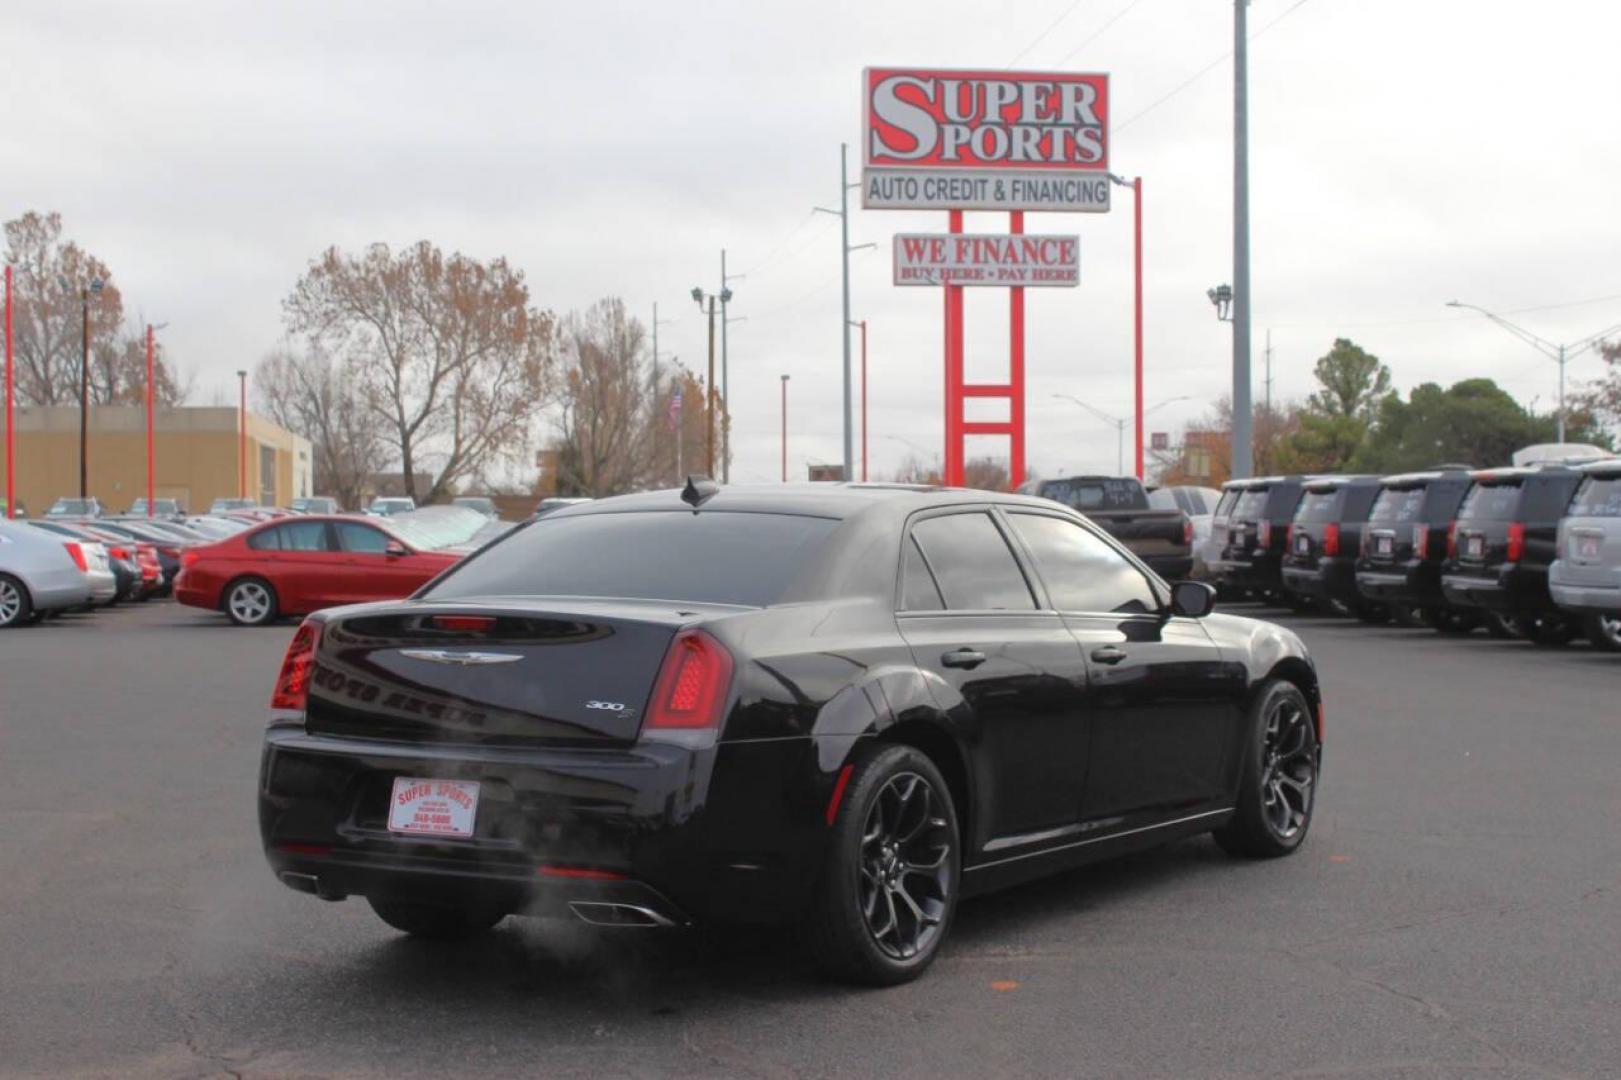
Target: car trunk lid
<point x="551" y="673"/>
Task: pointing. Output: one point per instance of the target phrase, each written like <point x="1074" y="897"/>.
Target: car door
<point x="369" y="572"/>
<point x="1008" y="673"/>
<point x="300" y="561"/>
<point x="1164" y="705"/>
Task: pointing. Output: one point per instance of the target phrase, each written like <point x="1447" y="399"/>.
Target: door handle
<point x="1109" y="654"/>
<point x="963" y="658"/>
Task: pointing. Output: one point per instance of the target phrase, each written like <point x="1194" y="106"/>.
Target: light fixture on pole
<point x="242" y="436"/>
<point x="702" y="299"/>
<point x="1559" y="354"/>
<point x="1119" y="423"/>
<point x="1222" y="297"/>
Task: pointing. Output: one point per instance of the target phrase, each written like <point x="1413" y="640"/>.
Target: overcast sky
<point x="1404" y="153"/>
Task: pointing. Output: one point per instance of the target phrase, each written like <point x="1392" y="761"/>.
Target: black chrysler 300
<point x="847" y="706"/>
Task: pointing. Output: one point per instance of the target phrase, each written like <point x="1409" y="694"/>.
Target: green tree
<point x="1334" y="424"/>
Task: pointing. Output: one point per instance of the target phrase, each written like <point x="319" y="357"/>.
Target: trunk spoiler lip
<point x="654" y="612"/>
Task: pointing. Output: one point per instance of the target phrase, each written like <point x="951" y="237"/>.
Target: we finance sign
<point x="987" y="259"/>
<point x="985" y="140"/>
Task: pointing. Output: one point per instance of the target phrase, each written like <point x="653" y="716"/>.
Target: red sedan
<point x="293" y="566"/>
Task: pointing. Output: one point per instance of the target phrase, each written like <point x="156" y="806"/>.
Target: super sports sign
<point x="985" y="140"/>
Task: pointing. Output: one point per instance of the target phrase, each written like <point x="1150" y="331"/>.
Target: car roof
<point x="1332" y="483"/>
<point x="1424" y="477"/>
<point x="1602" y="467"/>
<point x="813" y="499"/>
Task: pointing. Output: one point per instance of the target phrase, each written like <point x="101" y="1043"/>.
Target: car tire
<point x="1500" y="626"/>
<point x="1372" y="614"/>
<point x="1451" y="621"/>
<point x="889" y="888"/>
<point x="1278" y="790"/>
<point x="16" y="607"/>
<point x="1548" y="631"/>
<point x="250" y="601"/>
<point x="1604" y="631"/>
<point x="437" y="922"/>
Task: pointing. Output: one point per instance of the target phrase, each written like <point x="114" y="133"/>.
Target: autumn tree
<point x="445" y="349"/>
<point x="985" y="473"/>
<point x="311" y="394"/>
<point x="50" y="279"/>
<point x="1601" y="398"/>
<point x="1206" y="456"/>
<point x="607" y="422"/>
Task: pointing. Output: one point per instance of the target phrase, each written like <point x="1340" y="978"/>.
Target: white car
<point x="387" y="506"/>
<point x="40" y="573"/>
<point x="1199" y="503"/>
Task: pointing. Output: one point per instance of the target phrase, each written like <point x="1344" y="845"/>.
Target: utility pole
<point x="84" y="387"/>
<point x="1269" y="372"/>
<point x="785" y="429"/>
<point x="242" y="436"/>
<point x="725" y="382"/>
<point x="863" y="325"/>
<point x="709" y="400"/>
<point x="150" y="456"/>
<point x="843" y="214"/>
<point x="1242" y="448"/>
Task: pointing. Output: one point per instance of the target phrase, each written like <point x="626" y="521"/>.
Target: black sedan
<point x="844" y="706"/>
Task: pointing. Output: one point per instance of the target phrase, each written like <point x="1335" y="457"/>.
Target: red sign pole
<point x="242" y="438"/>
<point x="11" y="412"/>
<point x="1137" y="246"/>
<point x="150" y="482"/>
<point x="954" y="374"/>
<point x="1016" y="369"/>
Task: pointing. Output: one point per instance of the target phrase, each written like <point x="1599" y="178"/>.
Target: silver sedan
<point x="41" y="573"/>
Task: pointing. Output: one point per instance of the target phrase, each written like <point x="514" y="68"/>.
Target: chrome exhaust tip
<point x="309" y="883"/>
<point x="598" y="913"/>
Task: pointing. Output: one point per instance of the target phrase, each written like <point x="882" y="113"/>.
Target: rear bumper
<point x="1412" y="582"/>
<point x="58" y="589"/>
<point x="1261" y="572"/>
<point x="1509" y="589"/>
<point x="1589" y="596"/>
<point x="1333" y="578"/>
<point x="728" y="832"/>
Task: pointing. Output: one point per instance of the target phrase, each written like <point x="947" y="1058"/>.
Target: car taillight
<point x="1331" y="538"/>
<point x="1263" y="534"/>
<point x="1452" y="540"/>
<point x="293" y="684"/>
<point x="692" y="684"/>
<point x="1516" y="541"/>
<point x="76" y="552"/>
<point x="1187" y="529"/>
<point x="463" y="624"/>
<point x="118" y="552"/>
<point x="1421" y="541"/>
<point x="187" y="558"/>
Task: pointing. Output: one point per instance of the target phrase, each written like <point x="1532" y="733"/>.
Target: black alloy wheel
<point x="1604" y="631"/>
<point x="1279" y="789"/>
<point x="890" y="888"/>
<point x="1448" y="620"/>
<point x="1548" y="630"/>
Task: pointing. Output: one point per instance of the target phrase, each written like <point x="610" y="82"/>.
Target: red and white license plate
<point x="1587" y="546"/>
<point x="1384" y="545"/>
<point x="1475" y="547"/>
<point x="1303" y="544"/>
<point x="420" y="807"/>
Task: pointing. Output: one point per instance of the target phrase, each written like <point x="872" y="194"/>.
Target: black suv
<point x="1324" y="541"/>
<point x="1257" y="528"/>
<point x="1501" y="546"/>
<point x="1405" y="545"/>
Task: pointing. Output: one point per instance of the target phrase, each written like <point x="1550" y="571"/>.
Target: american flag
<point x="675" y="408"/>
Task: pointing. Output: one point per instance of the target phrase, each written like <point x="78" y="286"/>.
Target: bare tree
<point x="985" y="473"/>
<point x="118" y="373"/>
<point x="445" y="348"/>
<point x="311" y="395"/>
<point x="607" y="423"/>
<point x="51" y="274"/>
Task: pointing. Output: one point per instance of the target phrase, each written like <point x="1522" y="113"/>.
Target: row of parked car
<point x="382" y="506"/>
<point x="1527" y="551"/>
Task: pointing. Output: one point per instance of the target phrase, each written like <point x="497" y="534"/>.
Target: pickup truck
<point x="1161" y="538"/>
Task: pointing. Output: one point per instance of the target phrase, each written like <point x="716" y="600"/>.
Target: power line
<point x="1043" y="35"/>
<point x="1207" y="69"/>
<point x="1122" y="13"/>
<point x="781" y="247"/>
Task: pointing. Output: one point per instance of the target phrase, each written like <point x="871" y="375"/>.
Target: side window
<point x="268" y="540"/>
<point x="1082" y="572"/>
<point x="973" y="565"/>
<point x="361" y="538"/>
<point x="918" y="589"/>
<point x="303" y="536"/>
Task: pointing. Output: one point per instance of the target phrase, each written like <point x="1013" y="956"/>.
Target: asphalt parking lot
<point x="1456" y="911"/>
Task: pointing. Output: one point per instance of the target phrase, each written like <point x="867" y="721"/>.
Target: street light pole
<point x="709" y="400"/>
<point x="1136" y="186"/>
<point x="1560" y="354"/>
<point x="11" y="412"/>
<point x="863" y="326"/>
<point x="242" y="436"/>
<point x="150" y="482"/>
<point x="1241" y="453"/>
<point x="785" y="429"/>
<point x="843" y="214"/>
<point x="84" y="386"/>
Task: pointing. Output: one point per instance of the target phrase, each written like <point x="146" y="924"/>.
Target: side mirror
<point x="395" y="549"/>
<point x="1192" y="599"/>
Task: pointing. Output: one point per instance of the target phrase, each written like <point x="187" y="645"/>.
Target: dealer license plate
<point x="1475" y="547"/>
<point x="1384" y="545"/>
<point x="420" y="807"/>
<point x="1587" y="546"/>
<point x="1302" y="544"/>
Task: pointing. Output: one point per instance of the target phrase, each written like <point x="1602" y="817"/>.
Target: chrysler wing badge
<point x="460" y="657"/>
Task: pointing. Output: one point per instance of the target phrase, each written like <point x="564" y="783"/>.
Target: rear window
<point x="1317" y="507"/>
<point x="1599" y="496"/>
<point x="1251" y="505"/>
<point x="1397" y="506"/>
<point x="1490" y="502"/>
<point x="1096" y="494"/>
<point x="717" y="557"/>
<point x="1225" y="507"/>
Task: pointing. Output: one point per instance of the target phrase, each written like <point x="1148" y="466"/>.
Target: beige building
<point x="196" y="456"/>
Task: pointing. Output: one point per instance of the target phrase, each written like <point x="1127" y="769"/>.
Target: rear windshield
<point x="1317" y="507"/>
<point x="1251" y="505"/>
<point x="1099" y="494"/>
<point x="1490" y="502"/>
<point x="1599" y="496"/>
<point x="1397" y="506"/>
<point x="716" y="557"/>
